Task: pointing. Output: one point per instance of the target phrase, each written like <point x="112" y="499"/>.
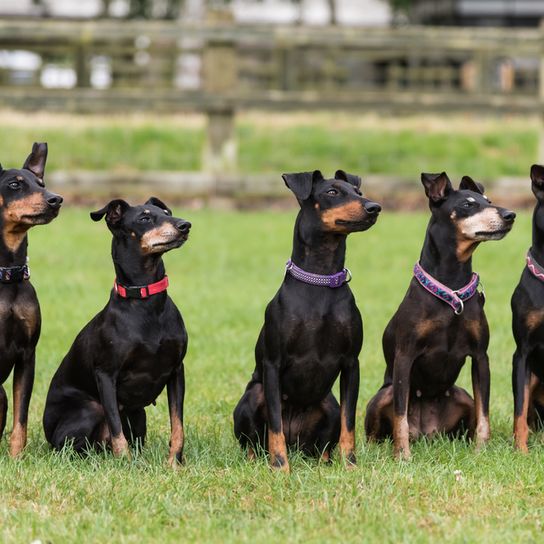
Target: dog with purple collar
<point x="312" y="332"/>
<point x="528" y="328"/>
<point x="439" y="323"/>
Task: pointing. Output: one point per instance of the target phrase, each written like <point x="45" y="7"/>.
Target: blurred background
<point x="209" y="101"/>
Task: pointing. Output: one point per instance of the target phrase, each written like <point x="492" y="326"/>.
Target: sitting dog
<point x="528" y="327"/>
<point x="438" y="324"/>
<point x="24" y="202"/>
<point x="122" y="359"/>
<point x="312" y="331"/>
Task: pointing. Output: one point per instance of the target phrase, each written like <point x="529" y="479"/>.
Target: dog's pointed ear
<point x="437" y="186"/>
<point x="35" y="162"/>
<point x="468" y="184"/>
<point x="154" y="201"/>
<point x="537" y="181"/>
<point x="301" y="183"/>
<point x="113" y="211"/>
<point x="350" y="178"/>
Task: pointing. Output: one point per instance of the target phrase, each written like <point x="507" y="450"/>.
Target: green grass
<point x="222" y="280"/>
<point x="282" y="143"/>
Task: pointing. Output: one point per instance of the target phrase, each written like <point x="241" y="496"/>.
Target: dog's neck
<point x="134" y="269"/>
<point x="316" y="251"/>
<point x="13" y="245"/>
<point x="439" y="256"/>
<point x="537" y="248"/>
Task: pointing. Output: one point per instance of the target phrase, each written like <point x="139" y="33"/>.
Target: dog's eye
<point x="468" y="204"/>
<point x="144" y="219"/>
<point x="332" y="192"/>
<point x="14" y="185"/>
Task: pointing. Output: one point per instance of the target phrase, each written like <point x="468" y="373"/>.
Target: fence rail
<point x="220" y="68"/>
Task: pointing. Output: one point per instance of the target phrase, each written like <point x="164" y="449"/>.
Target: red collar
<point x="141" y="291"/>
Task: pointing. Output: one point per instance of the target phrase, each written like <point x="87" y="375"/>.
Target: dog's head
<point x="24" y="200"/>
<point x="336" y="205"/>
<point x="467" y="211"/>
<point x="150" y="227"/>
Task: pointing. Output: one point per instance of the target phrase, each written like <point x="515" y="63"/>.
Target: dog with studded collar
<point x="312" y="332"/>
<point x="439" y="323"/>
<point x="124" y="357"/>
<point x="24" y="203"/>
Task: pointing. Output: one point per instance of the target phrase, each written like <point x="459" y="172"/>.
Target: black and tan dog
<point x="528" y="328"/>
<point x="439" y="323"/>
<point x="124" y="357"/>
<point x="24" y="203"/>
<point x="312" y="331"/>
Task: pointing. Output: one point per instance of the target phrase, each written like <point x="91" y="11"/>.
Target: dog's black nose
<point x="372" y="208"/>
<point x="183" y="226"/>
<point x="508" y="215"/>
<point x="54" y="201"/>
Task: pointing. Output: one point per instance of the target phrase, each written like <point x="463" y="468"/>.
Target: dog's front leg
<point x="401" y="393"/>
<point x="23" y="380"/>
<point x="176" y="394"/>
<point x="107" y="389"/>
<point x="480" y="386"/>
<point x="520" y="385"/>
<point x="276" y="438"/>
<point x="349" y="391"/>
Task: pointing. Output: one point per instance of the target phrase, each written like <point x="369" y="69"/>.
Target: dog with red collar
<point x="124" y="357"/>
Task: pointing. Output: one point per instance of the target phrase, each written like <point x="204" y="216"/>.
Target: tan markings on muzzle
<point x="159" y="235"/>
<point x="352" y="211"/>
<point x="16" y="220"/>
<point x="487" y="221"/>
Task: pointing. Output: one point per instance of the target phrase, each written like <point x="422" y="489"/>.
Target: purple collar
<point x="456" y="298"/>
<point x="335" y="280"/>
<point x="534" y="268"/>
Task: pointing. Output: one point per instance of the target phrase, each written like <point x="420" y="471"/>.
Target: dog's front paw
<point x="280" y="463"/>
<point x="402" y="453"/>
<point x="17" y="441"/>
<point x="350" y="460"/>
<point x="119" y="446"/>
<point x="176" y="460"/>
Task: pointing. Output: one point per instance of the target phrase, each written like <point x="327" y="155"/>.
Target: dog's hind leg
<point x="379" y="415"/>
<point x="249" y="423"/>
<point x="80" y="425"/>
<point x="328" y="430"/>
<point x="3" y="410"/>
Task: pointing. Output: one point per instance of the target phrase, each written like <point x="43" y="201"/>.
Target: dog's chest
<point x="19" y="318"/>
<point x="146" y="370"/>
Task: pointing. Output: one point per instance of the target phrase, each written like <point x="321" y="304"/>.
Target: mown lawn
<point x="222" y="280"/>
<point x="271" y="143"/>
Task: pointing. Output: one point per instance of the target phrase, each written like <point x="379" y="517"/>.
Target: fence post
<point x="220" y="75"/>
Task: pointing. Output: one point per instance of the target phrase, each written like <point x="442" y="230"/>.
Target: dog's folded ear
<point x="350" y="178"/>
<point x="467" y="183"/>
<point x="437" y="186"/>
<point x="537" y="181"/>
<point x="35" y="162"/>
<point x="154" y="201"/>
<point x="113" y="211"/>
<point x="301" y="183"/>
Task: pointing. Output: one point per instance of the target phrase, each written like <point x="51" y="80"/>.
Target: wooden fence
<point x="219" y="68"/>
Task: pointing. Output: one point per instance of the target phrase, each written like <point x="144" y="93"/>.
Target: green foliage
<point x="221" y="280"/>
